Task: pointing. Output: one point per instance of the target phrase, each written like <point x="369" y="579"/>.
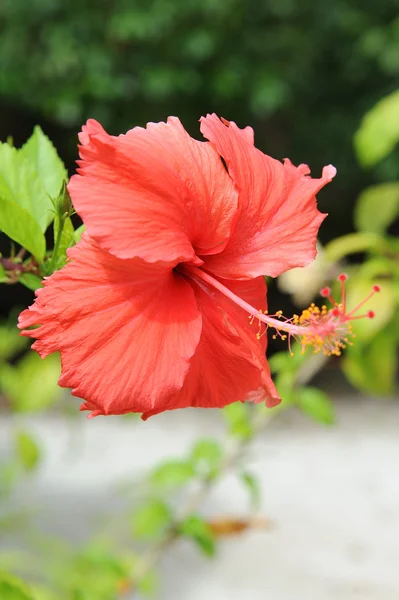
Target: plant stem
<point x="237" y="446"/>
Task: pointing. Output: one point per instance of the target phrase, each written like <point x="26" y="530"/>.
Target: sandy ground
<point x="331" y="495"/>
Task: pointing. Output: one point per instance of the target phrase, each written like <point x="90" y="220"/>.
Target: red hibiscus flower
<point x="151" y="311"/>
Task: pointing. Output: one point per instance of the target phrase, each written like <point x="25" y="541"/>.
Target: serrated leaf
<point x="22" y="228"/>
<point x="237" y="418"/>
<point x="173" y="473"/>
<point x="199" y="531"/>
<point x="379" y="131"/>
<point x="19" y="184"/>
<point x="151" y="520"/>
<point x="316" y="404"/>
<point x="377" y="207"/>
<point x="12" y="588"/>
<point x="42" y="155"/>
<point x="27" y="450"/>
<point x="252" y="485"/>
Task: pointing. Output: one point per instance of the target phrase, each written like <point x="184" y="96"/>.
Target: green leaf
<point x="199" y="531"/>
<point x="379" y="131"/>
<point x="21" y="227"/>
<point x="27" y="450"/>
<point x="206" y="456"/>
<point x="353" y="243"/>
<point x="151" y="520"/>
<point x="19" y="184"/>
<point x="252" y="485"/>
<point x="66" y="241"/>
<point x="237" y="418"/>
<point x="173" y="473"/>
<point x="316" y="404"/>
<point x="372" y="368"/>
<point x="78" y="233"/>
<point x="383" y="304"/>
<point x="377" y="207"/>
<point x="148" y="585"/>
<point x="3" y="276"/>
<point x="42" y="155"/>
<point x="31" y="281"/>
<point x="12" y="588"/>
<point x="31" y="384"/>
<point x="11" y="341"/>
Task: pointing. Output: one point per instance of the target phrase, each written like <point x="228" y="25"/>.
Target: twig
<point x="261" y="419"/>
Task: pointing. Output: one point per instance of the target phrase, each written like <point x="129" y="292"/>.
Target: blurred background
<point x="303" y="74"/>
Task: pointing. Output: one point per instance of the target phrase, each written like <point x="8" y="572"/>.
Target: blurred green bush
<point x="306" y="70"/>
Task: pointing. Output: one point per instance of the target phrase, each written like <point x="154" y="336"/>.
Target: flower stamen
<point x="325" y="329"/>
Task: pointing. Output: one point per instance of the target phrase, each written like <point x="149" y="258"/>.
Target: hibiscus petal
<point x="126" y="330"/>
<point x="229" y="363"/>
<point x="153" y="193"/>
<point x="278" y="220"/>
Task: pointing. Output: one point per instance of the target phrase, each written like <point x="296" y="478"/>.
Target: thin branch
<point x="238" y="445"/>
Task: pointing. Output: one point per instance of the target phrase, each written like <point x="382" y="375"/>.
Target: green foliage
<point x="151" y="520"/>
<point x="372" y="368"/>
<point x="173" y="473"/>
<point x="377" y="207"/>
<point x="316" y="404"/>
<point x="238" y="420"/>
<point x="252" y="485"/>
<point x="32" y="192"/>
<point x="195" y="528"/>
<point x="27" y="450"/>
<point x="206" y="456"/>
<point x="12" y="588"/>
<point x="42" y="155"/>
<point x="20" y="226"/>
<point x="379" y="131"/>
<point x="30" y="385"/>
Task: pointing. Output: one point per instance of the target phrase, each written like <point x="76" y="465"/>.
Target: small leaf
<point x="31" y="281"/>
<point x="22" y="228"/>
<point x="353" y="243"/>
<point x="12" y="588"/>
<point x="206" y="456"/>
<point x="79" y="232"/>
<point x="200" y="532"/>
<point x="316" y="404"/>
<point x="151" y="520"/>
<point x="173" y="473"/>
<point x="42" y="155"/>
<point x="379" y="131"/>
<point x="3" y="276"/>
<point x="377" y="207"/>
<point x="20" y="184"/>
<point x="66" y="241"/>
<point x="27" y="450"/>
<point x="237" y="418"/>
<point x="252" y="485"/>
<point x="148" y="585"/>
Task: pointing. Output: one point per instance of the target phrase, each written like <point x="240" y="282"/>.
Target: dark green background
<point x="301" y="72"/>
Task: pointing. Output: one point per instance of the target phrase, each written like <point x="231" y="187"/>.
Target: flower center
<point x="325" y="329"/>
